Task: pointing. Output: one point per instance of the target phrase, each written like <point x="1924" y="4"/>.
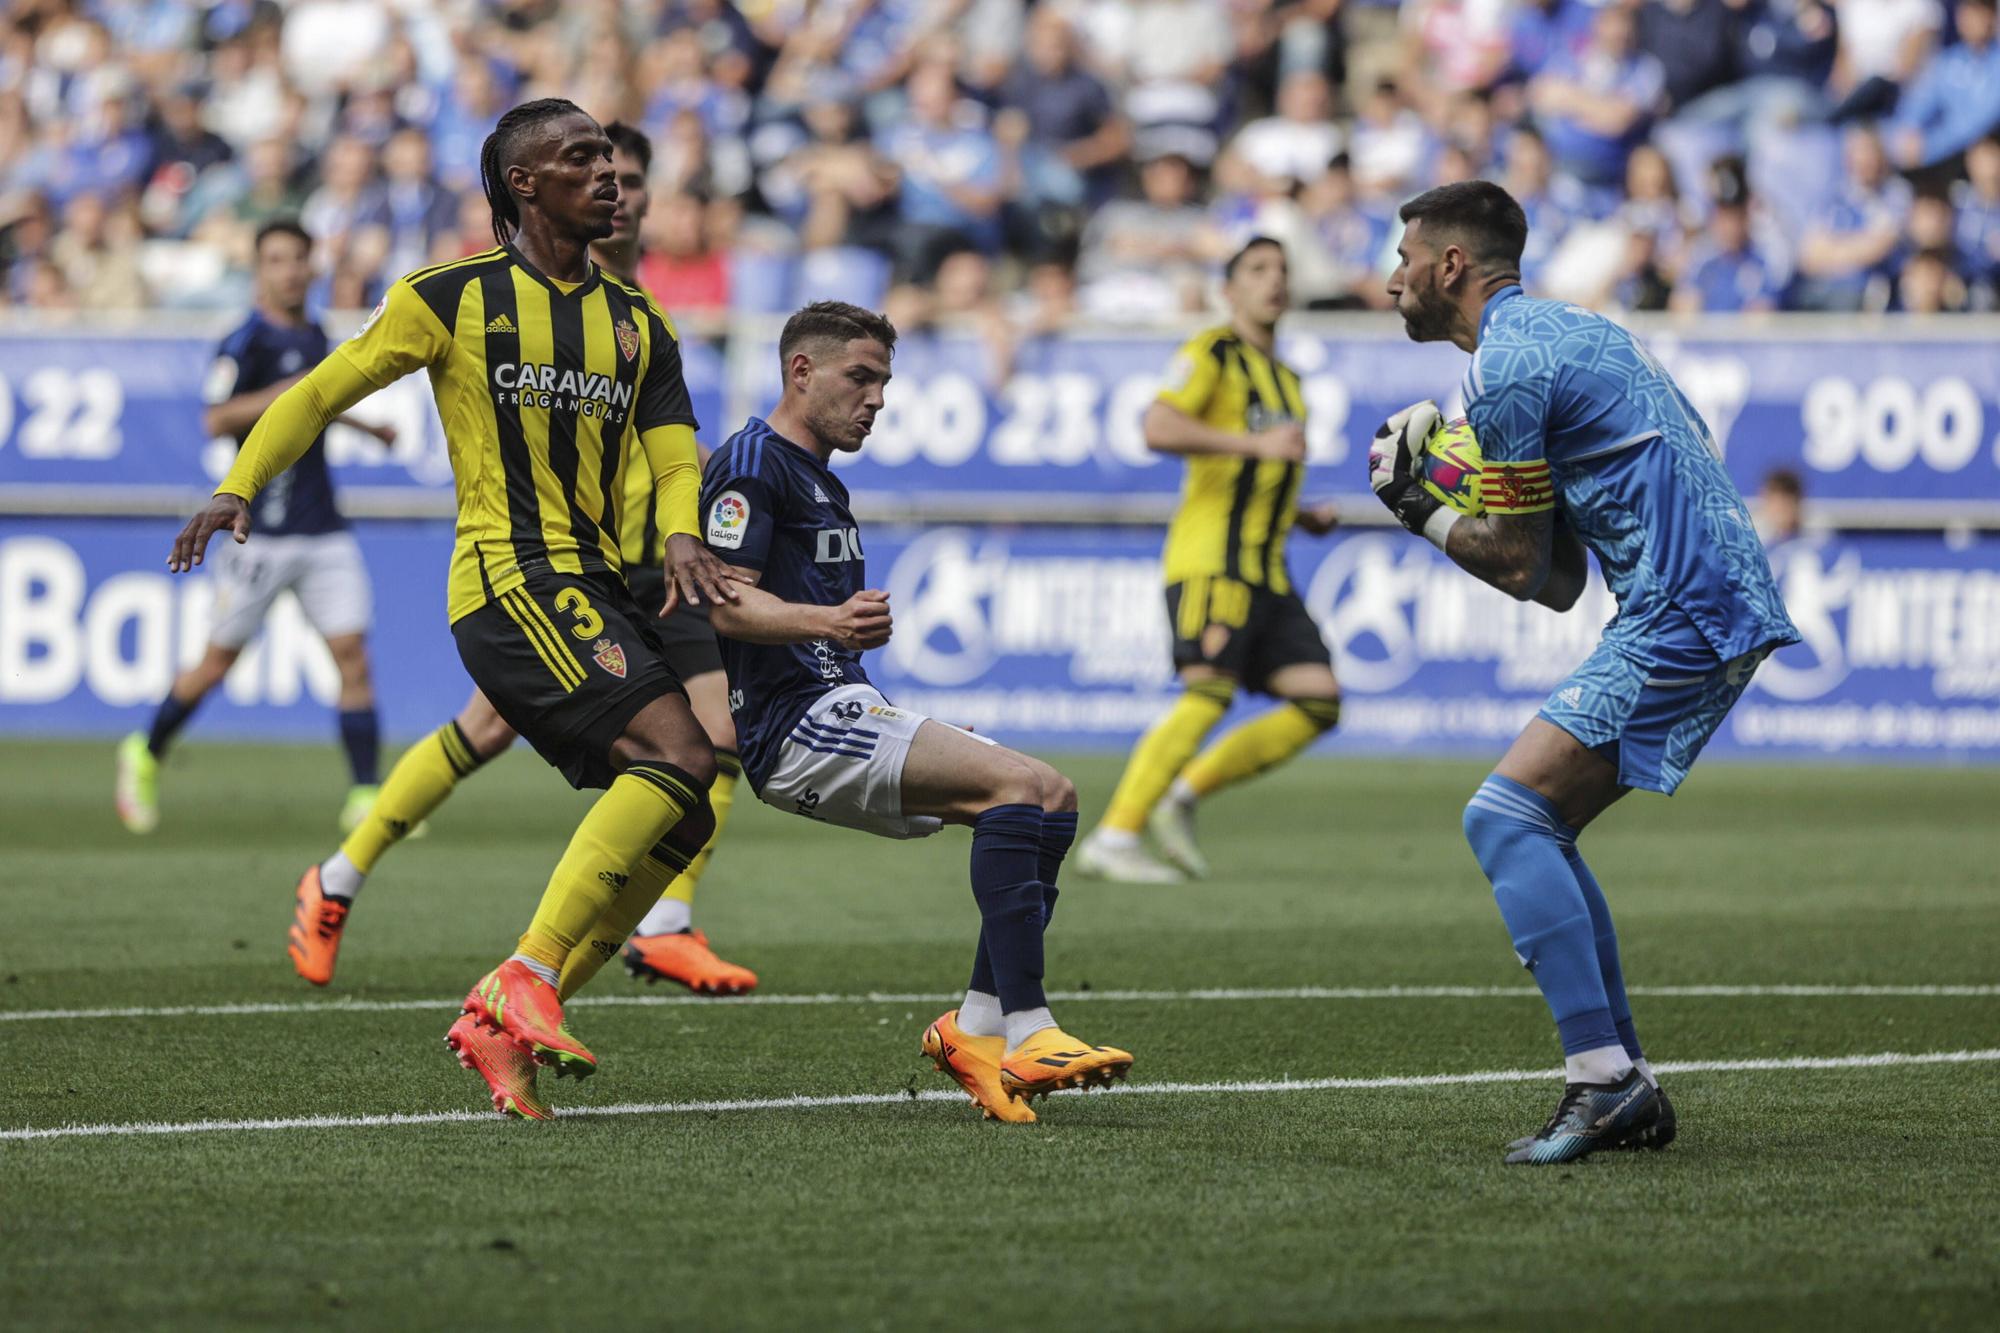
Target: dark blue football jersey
<point x="258" y="354"/>
<point x="769" y="505"/>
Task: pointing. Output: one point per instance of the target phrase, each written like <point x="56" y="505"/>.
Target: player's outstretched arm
<point x="281" y="437"/>
<point x="1169" y="430"/>
<point x="860" y="623"/>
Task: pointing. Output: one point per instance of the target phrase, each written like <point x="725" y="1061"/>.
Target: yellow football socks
<point x="417" y="785"/>
<point x="641" y="806"/>
<point x="1164" y="750"/>
<point x="721" y="795"/>
<point x="1261" y="743"/>
<point x="618" y="921"/>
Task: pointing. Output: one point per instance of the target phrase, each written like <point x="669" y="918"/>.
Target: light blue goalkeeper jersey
<point x="1569" y="410"/>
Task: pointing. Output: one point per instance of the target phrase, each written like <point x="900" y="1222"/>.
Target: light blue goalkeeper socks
<point x="1608" y="966"/>
<point x="1524" y="850"/>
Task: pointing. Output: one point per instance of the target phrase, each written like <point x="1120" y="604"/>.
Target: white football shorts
<point x="843" y="764"/>
<point x="323" y="570"/>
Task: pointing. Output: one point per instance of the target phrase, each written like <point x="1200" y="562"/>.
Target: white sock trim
<point x="1025" y="1023"/>
<point x="339" y="877"/>
<point x="1181" y="793"/>
<point x="1114" y="839"/>
<point x="1605" y="1064"/>
<point x="669" y="916"/>
<point x="979" y="1015"/>
<point x="540" y="969"/>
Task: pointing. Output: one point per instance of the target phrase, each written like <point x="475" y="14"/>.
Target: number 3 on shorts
<point x="588" y="623"/>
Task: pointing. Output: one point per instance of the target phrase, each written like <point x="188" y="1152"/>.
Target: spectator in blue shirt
<point x="1847" y="258"/>
<point x="478" y="95"/>
<point x="1596" y="105"/>
<point x="1725" y="272"/>
<point x="1956" y="99"/>
<point x="1543" y="31"/>
<point x="410" y="216"/>
<point x="1070" y="137"/>
<point x="1977" y="221"/>
<point x="1552" y="203"/>
<point x="952" y="176"/>
<point x="1696" y="43"/>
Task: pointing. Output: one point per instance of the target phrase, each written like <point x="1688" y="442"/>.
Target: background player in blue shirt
<point x="303" y="545"/>
<point x="820" y="741"/>
<point x="1588" y="443"/>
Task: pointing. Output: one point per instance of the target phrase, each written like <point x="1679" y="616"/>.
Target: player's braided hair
<point x="497" y="153"/>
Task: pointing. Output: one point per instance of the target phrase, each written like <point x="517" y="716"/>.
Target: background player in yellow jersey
<point x="1236" y="413"/>
<point x="666" y="944"/>
<point x="541" y="365"/>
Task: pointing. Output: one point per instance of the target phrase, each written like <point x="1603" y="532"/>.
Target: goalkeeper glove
<point x="1390" y="457"/>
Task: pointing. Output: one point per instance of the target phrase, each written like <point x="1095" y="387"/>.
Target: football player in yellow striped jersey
<point x="666" y="946"/>
<point x="543" y="366"/>
<point x="1237" y="415"/>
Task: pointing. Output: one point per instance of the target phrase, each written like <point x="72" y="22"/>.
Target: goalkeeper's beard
<point x="1428" y="318"/>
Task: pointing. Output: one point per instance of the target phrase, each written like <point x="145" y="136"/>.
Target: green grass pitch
<point x="1837" y="1197"/>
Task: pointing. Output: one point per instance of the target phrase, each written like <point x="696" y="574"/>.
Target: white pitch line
<point x="1066" y="997"/>
<point x="804" y="1103"/>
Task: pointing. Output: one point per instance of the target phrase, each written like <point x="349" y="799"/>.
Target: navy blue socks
<point x="1006" y="854"/>
<point x="168" y="720"/>
<point x="361" y="737"/>
<point x="1058" y="833"/>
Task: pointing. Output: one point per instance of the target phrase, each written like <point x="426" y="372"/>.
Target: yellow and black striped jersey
<point x="541" y="385"/>
<point x="1235" y="513"/>
<point x="641" y="542"/>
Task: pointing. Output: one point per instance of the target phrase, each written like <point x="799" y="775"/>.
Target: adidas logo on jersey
<point x="500" y="324"/>
<point x="819" y="496"/>
<point x="1571" y="696"/>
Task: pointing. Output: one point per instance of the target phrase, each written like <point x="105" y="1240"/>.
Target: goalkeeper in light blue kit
<point x="1588" y="444"/>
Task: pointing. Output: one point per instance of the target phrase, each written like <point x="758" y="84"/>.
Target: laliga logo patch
<point x="373" y="315"/>
<point x="610" y="656"/>
<point x="727" y="518"/>
<point x="628" y="338"/>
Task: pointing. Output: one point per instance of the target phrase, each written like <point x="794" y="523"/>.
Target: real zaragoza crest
<point x="628" y="343"/>
<point x="610" y="656"/>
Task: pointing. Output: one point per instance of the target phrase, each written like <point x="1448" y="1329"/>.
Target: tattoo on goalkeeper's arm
<point x="1509" y="551"/>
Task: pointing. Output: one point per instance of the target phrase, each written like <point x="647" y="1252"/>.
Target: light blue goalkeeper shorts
<point x="1649" y="723"/>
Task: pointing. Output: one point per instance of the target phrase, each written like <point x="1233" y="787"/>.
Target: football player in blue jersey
<point x="303" y="544"/>
<point x="1589" y="444"/>
<point x="819" y="740"/>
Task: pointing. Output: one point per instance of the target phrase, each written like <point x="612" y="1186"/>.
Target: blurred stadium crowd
<point x="1022" y="162"/>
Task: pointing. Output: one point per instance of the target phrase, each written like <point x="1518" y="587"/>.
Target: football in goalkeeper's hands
<point x="1448" y="464"/>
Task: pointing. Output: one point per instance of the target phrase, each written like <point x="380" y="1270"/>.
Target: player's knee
<point x="485" y="731"/>
<point x="1058" y="793"/>
<point x="1014" y="783"/>
<point x="1322" y="712"/>
<point x="692" y="831"/>
<point x="1218" y="690"/>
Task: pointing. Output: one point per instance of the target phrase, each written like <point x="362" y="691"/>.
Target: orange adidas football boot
<point x="975" y="1063"/>
<point x="1053" y="1059"/>
<point x="686" y="958"/>
<point x="508" y="1073"/>
<point x="317" y="921"/>
<point x="522" y="1007"/>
